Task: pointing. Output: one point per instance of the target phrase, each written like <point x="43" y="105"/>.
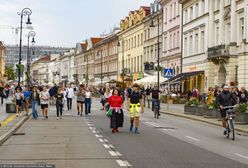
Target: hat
<point x="225" y="87"/>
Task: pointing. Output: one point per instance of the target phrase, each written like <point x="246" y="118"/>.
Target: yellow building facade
<point x="2" y="59"/>
<point x="131" y="49"/>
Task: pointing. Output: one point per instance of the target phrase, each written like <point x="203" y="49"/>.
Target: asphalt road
<point x="168" y="142"/>
<point x="173" y="142"/>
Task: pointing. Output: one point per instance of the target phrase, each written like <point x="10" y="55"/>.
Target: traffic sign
<point x="168" y="72"/>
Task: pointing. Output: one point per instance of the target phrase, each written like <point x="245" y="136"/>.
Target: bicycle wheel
<point x="232" y="129"/>
<point x="227" y="130"/>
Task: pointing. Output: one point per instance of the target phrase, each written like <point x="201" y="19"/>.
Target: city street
<point x="88" y="142"/>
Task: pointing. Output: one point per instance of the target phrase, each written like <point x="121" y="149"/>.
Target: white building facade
<point x="214" y="38"/>
<point x="171" y="57"/>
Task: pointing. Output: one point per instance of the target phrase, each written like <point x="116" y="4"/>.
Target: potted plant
<point x="211" y="110"/>
<point x="242" y="114"/>
<point x="191" y="106"/>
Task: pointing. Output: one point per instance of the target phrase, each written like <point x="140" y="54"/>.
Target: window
<point x="135" y="42"/>
<point x="191" y="13"/>
<point x="203" y="6"/>
<point x="196" y="43"/>
<point x="171" y="41"/>
<point x="186" y="16"/>
<point x="171" y="11"/>
<point x="138" y="63"/>
<point x="175" y="9"/>
<point x="241" y="29"/>
<point x="174" y="40"/>
<point x="217" y="34"/>
<point x="145" y="34"/>
<point x="165" y="44"/>
<point x="202" y="41"/>
<point x="190" y="44"/>
<point x="141" y="38"/>
<point x="138" y="41"/>
<point x="165" y="15"/>
<point x="185" y="46"/>
<point x="228" y="33"/>
<point x="178" y="38"/>
<point x="196" y="10"/>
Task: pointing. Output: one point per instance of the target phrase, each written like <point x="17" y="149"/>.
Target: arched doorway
<point x="221" y="75"/>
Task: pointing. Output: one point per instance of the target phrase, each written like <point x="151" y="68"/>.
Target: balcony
<point x="218" y="52"/>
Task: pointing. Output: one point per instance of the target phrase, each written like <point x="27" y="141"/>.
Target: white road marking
<point x="111" y="146"/>
<point x="106" y="146"/>
<point x="101" y="140"/>
<point x="243" y="156"/>
<point x="98" y="136"/>
<point x="91" y="127"/>
<point x="112" y="153"/>
<point x="193" y="138"/>
<point x="94" y="131"/>
<point x="105" y="140"/>
<point x="123" y="163"/>
<point x="152" y="124"/>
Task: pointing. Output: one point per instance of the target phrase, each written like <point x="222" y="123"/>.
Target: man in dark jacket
<point x="226" y="98"/>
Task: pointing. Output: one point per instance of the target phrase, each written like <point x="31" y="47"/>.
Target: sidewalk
<point x="178" y="110"/>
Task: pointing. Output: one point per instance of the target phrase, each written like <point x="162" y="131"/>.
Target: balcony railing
<point x="220" y="51"/>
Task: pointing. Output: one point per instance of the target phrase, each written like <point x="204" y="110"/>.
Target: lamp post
<point x="155" y="11"/>
<point x="30" y="34"/>
<point x="122" y="69"/>
<point x="24" y="12"/>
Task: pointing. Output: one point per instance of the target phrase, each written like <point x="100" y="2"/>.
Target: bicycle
<point x="230" y="121"/>
<point x="156" y="109"/>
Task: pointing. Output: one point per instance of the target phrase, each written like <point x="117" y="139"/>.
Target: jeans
<point x="153" y="101"/>
<point x="59" y="108"/>
<point x="87" y="105"/>
<point x="34" y="109"/>
<point x="69" y="103"/>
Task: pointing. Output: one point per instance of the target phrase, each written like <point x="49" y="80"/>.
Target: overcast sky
<point x="64" y="22"/>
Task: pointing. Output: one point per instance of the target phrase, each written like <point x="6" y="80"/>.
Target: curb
<point x="202" y="120"/>
<point x="8" y="134"/>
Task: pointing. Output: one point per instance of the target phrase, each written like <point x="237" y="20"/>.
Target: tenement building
<point x="214" y="42"/>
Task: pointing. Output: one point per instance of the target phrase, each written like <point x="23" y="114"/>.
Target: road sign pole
<point x="168" y="95"/>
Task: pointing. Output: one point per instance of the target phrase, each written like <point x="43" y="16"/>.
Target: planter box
<point x="199" y="111"/>
<point x="242" y="118"/>
<point x="10" y="108"/>
<point x="211" y="113"/>
<point x="191" y="110"/>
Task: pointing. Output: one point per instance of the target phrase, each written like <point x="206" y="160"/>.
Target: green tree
<point x="10" y="72"/>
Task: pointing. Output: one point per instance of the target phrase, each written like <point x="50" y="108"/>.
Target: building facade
<point x="131" y="49"/>
<point x="2" y="59"/>
<point x="12" y="53"/>
<point x="152" y="38"/>
<point x="214" y="38"/>
<point x="106" y="59"/>
<point x="171" y="57"/>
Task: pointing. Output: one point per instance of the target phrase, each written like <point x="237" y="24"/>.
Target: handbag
<point x="109" y="113"/>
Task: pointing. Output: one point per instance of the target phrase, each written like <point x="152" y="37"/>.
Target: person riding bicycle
<point x="226" y="98"/>
<point x="155" y="98"/>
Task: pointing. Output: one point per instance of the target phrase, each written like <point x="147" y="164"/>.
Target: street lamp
<point x="118" y="45"/>
<point x="30" y="34"/>
<point x="24" y="12"/>
<point x="155" y="11"/>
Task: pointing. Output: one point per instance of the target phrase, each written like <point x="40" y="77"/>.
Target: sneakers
<point x="131" y="128"/>
<point x="136" y="131"/>
<point x="225" y="132"/>
<point x="46" y="117"/>
<point x="61" y="117"/>
<point x="17" y="115"/>
<point x="57" y="118"/>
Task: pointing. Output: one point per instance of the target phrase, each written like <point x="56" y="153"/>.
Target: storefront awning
<point x="177" y="79"/>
